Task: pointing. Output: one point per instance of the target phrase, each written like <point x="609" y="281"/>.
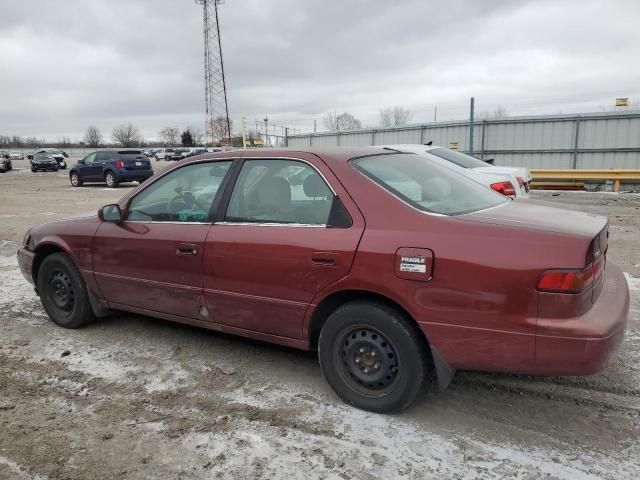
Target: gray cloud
<point x="69" y="64"/>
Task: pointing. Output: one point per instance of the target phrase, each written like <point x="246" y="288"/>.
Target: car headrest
<point x="314" y="186"/>
<point x="274" y="194"/>
<point x="435" y="189"/>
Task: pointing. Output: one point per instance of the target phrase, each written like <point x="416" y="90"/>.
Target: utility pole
<point x="244" y="133"/>
<point x="266" y="131"/>
<point x="215" y="88"/>
<point x="435" y="113"/>
<point x="314" y="126"/>
<point x="473" y="100"/>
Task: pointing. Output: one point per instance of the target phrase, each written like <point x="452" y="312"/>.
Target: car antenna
<point x="429" y="143"/>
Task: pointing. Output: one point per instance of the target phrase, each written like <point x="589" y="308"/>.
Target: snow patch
<point x="634" y="283"/>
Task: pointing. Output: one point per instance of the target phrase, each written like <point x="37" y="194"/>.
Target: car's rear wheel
<point x="111" y="180"/>
<point x="373" y="356"/>
<point x="75" y="180"/>
<point x="63" y="292"/>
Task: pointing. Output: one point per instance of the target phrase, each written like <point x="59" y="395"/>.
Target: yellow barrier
<point x="566" y="174"/>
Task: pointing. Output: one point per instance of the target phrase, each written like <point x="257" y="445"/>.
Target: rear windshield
<point x="461" y="159"/>
<point x="426" y="185"/>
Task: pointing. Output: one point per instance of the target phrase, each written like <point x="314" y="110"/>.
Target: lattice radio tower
<point x="215" y="89"/>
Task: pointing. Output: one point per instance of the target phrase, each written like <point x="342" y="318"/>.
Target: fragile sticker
<point x="413" y="264"/>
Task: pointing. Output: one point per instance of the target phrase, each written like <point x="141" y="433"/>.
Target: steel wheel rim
<point x="61" y="291"/>
<point x="367" y="361"/>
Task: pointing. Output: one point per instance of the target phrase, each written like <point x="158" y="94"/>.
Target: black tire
<point x="111" y="179"/>
<point x="75" y="179"/>
<point x="33" y="169"/>
<point x="373" y="357"/>
<point x="63" y="292"/>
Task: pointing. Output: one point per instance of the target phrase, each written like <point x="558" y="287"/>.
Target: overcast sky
<point x="70" y="63"/>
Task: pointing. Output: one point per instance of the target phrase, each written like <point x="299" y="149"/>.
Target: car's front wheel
<point x="111" y="180"/>
<point x="33" y="169"/>
<point x="63" y="292"/>
<point x="75" y="180"/>
<point x="373" y="356"/>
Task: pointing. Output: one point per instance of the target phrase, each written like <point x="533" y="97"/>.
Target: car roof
<point x="328" y="154"/>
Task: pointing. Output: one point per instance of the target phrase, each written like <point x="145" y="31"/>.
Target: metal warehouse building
<point x="594" y="140"/>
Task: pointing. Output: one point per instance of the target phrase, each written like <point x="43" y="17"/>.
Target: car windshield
<point x="426" y="185"/>
<point x="461" y="159"/>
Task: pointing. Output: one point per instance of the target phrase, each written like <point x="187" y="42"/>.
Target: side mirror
<point x="489" y="161"/>
<point x="81" y="162"/>
<point x="110" y="213"/>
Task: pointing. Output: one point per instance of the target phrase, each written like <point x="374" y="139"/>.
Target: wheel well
<point x="329" y="304"/>
<point x="42" y="252"/>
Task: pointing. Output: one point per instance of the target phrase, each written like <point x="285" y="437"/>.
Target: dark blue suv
<point x="111" y="167"/>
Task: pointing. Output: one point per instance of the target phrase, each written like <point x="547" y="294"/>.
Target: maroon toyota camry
<point x="391" y="266"/>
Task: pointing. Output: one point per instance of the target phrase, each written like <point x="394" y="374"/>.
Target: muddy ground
<point x="135" y="397"/>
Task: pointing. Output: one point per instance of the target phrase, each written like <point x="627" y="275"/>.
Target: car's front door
<point x="152" y="260"/>
<point x="88" y="169"/>
<point x="276" y="248"/>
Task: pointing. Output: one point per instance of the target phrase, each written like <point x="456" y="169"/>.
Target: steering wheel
<point x="176" y="205"/>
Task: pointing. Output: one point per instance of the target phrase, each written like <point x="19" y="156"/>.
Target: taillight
<point x="505" y="188"/>
<point x="571" y="281"/>
<point x="119" y="164"/>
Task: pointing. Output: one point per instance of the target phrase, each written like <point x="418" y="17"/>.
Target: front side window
<point x="280" y="191"/>
<point x="426" y="185"/>
<point x="183" y="195"/>
<point x="88" y="160"/>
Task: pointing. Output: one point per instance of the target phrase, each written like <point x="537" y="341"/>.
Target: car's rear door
<point x="152" y="261"/>
<point x="279" y="239"/>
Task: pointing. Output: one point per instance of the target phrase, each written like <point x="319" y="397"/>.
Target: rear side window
<point x="426" y="185"/>
<point x="103" y="156"/>
<point x="280" y="191"/>
<point x="460" y="159"/>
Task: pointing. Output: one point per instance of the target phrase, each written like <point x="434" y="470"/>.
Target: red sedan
<point x="390" y="265"/>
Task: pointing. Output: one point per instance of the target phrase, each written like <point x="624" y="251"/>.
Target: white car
<point x="15" y="155"/>
<point x="509" y="181"/>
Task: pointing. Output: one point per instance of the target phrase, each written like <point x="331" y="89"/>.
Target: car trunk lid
<point x="134" y="160"/>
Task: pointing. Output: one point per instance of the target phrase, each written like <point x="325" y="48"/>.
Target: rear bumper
<point x="134" y="175"/>
<point x="25" y="262"/>
<point x="585" y="344"/>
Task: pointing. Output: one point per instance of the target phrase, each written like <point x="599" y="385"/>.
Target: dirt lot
<point x="135" y="397"/>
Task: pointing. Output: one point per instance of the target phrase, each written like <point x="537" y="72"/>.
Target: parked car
<point x="4" y="154"/>
<point x="44" y="161"/>
<point x="5" y="164"/>
<point x="111" y="167"/>
<point x="57" y="154"/>
<point x="392" y="266"/>
<point x="162" y="153"/>
<point x="176" y="154"/>
<point x="192" y="152"/>
<point x="508" y="181"/>
<point x="30" y="155"/>
<point x="16" y="155"/>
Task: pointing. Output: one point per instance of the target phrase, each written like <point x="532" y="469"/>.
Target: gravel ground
<point x="135" y="397"/>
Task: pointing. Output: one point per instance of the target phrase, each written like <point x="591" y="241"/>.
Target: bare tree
<point x="33" y="142"/>
<point x="126" y="135"/>
<point x="197" y="134"/>
<point x="16" y="141"/>
<point x="337" y="122"/>
<point x="170" y="136"/>
<point x="217" y="130"/>
<point x="92" y="137"/>
<point x="496" y="113"/>
<point x="395" y="116"/>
